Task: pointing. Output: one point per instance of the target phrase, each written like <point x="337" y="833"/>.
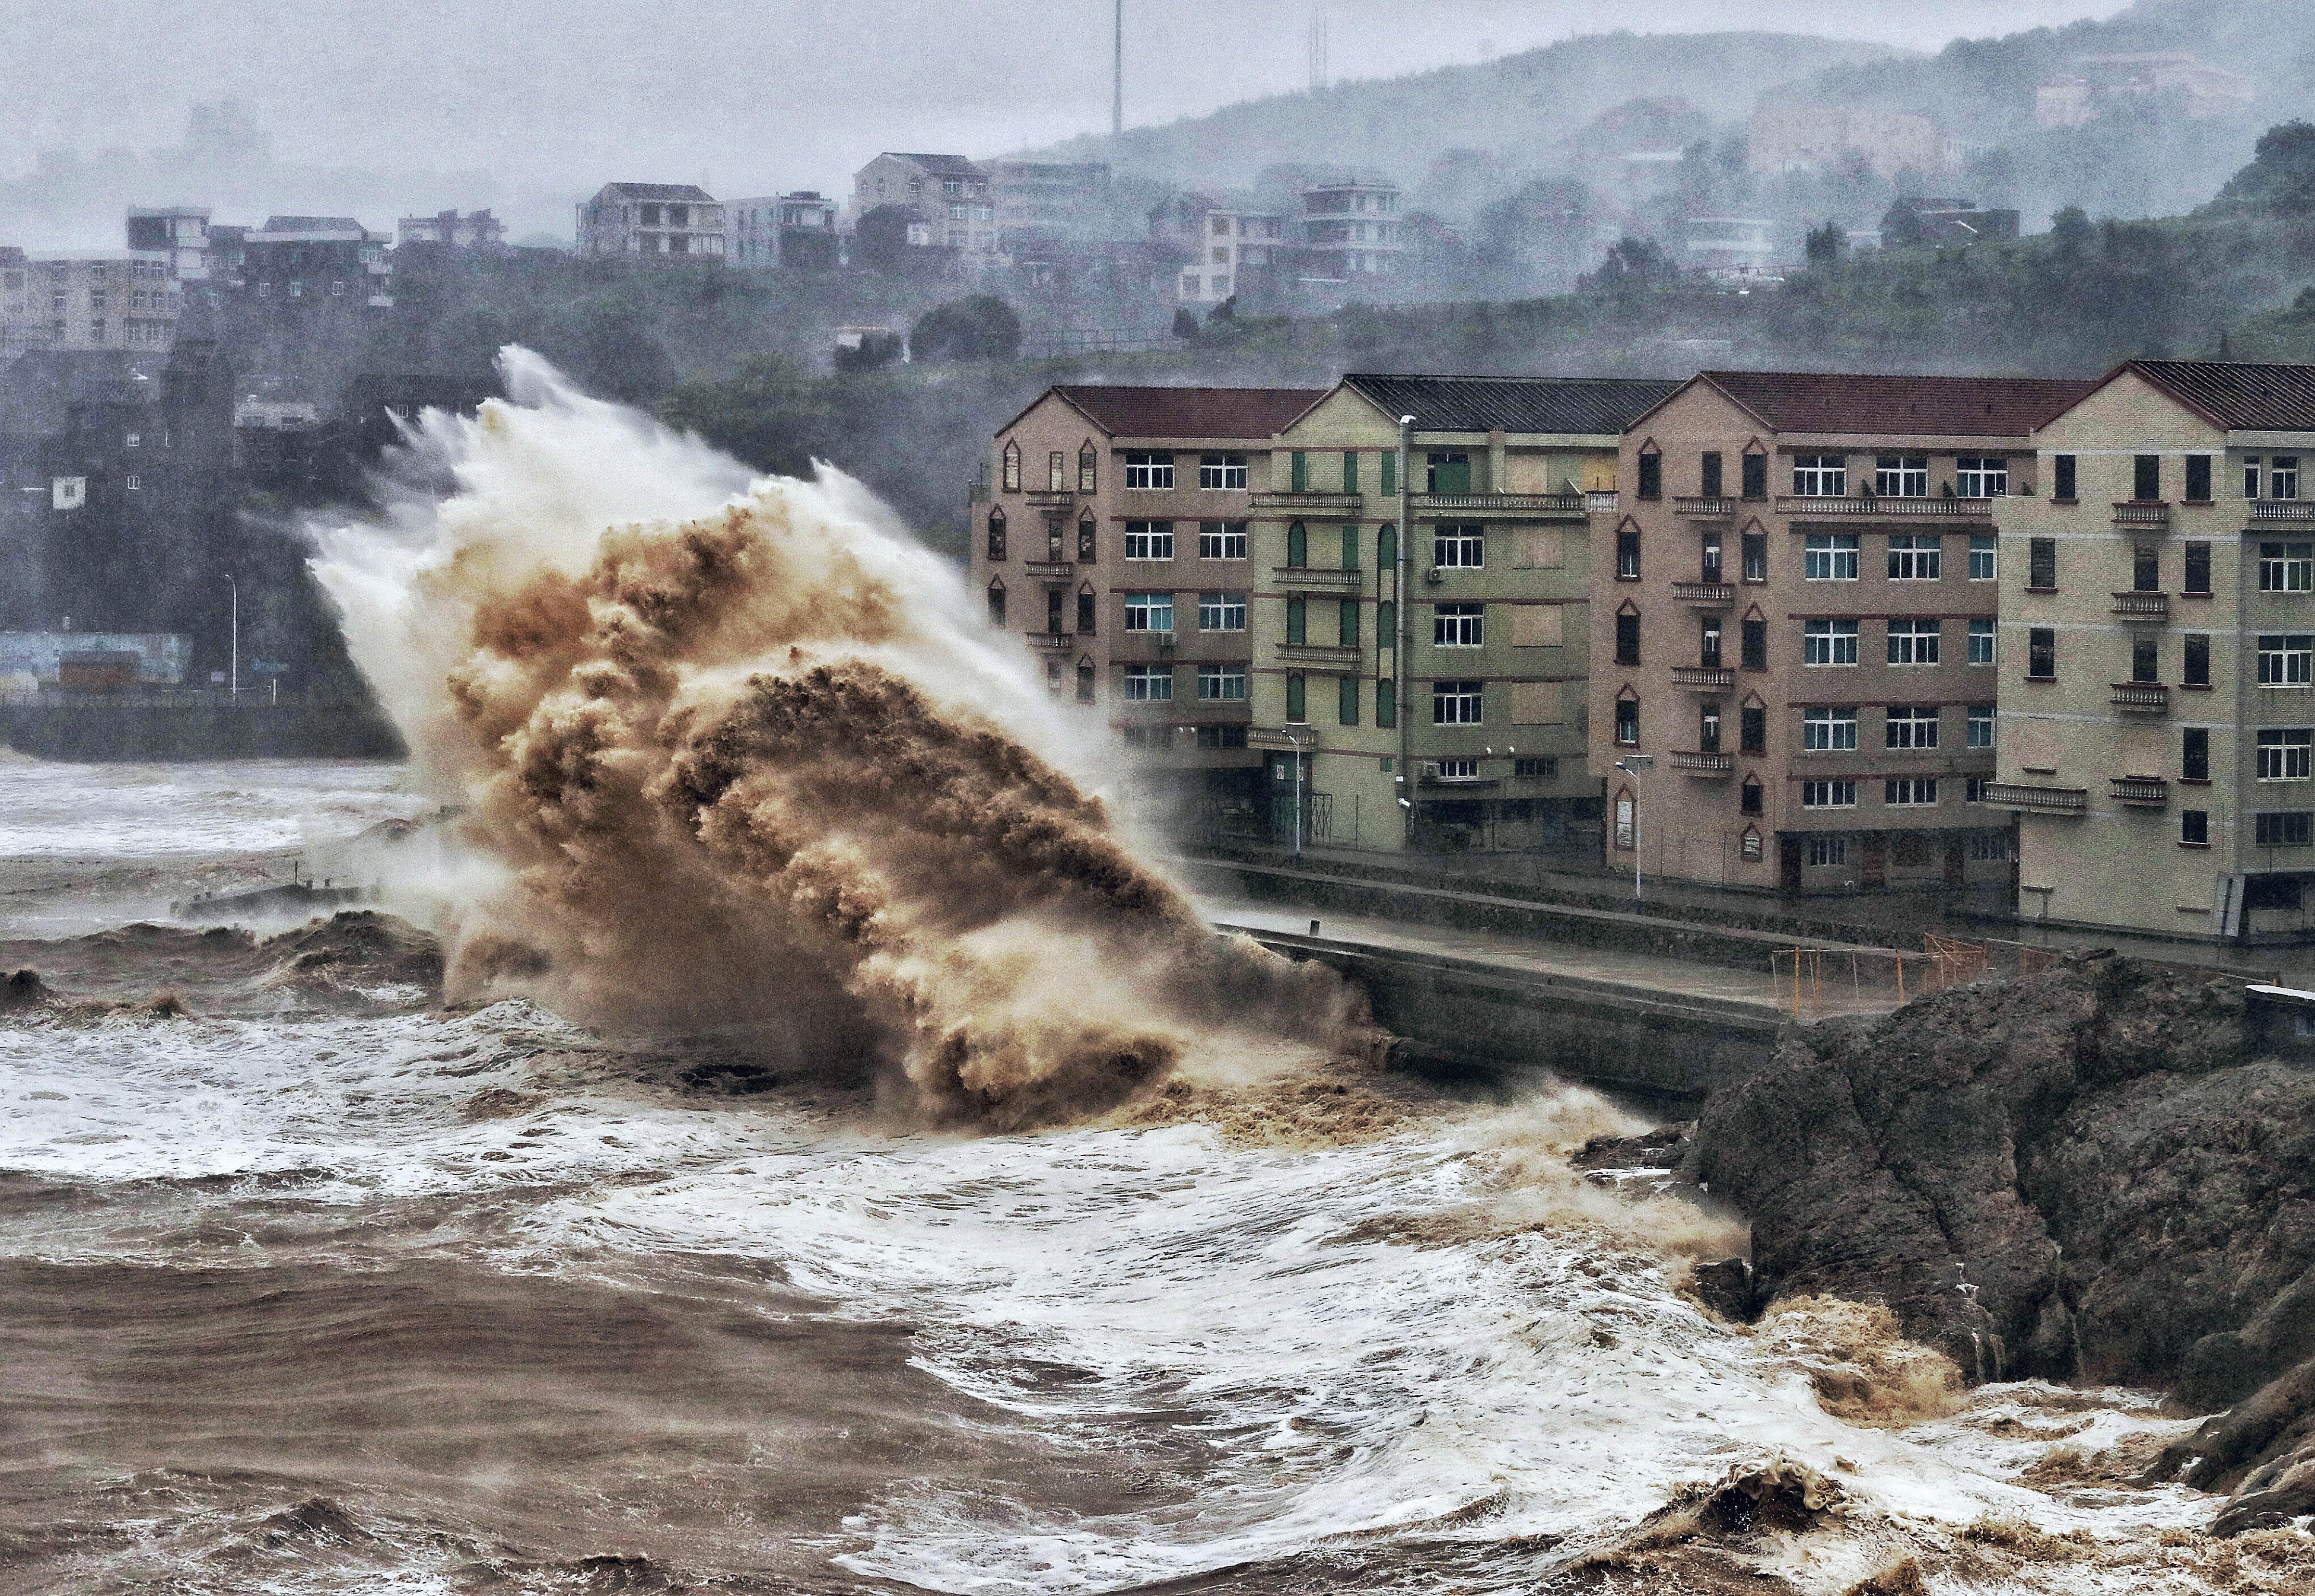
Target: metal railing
<point x="1316" y="576"/>
<point x="1802" y="504"/>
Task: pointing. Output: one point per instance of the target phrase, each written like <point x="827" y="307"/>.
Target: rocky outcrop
<point x="2079" y="1174"/>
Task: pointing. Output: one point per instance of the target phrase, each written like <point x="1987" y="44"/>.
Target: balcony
<point x="2145" y="791"/>
<point x="1303" y="502"/>
<point x="1512" y="506"/>
<point x="1808" y="507"/>
<point x="1050" y="569"/>
<point x="1711" y="594"/>
<point x="1344" y="655"/>
<point x="1600" y="501"/>
<point x="2142" y="606"/>
<point x="1705" y="510"/>
<point x="1702" y="678"/>
<point x="2152" y="513"/>
<point x="2302" y="510"/>
<point x="2052" y="801"/>
<point x="1052" y="641"/>
<point x="1049" y="498"/>
<point x="2141" y="698"/>
<point x="1330" y="578"/>
<point x="1705" y="765"/>
<point x="1280" y="737"/>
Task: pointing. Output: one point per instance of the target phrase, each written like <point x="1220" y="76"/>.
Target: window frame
<point x="1216" y="609"/>
<point x="1910" y="726"/>
<point x="1149" y="605"/>
<point x="1825" y="555"/>
<point x="2286" y="566"/>
<point x="1148" y="471"/>
<point x="1457" y="626"/>
<point x="1462" y="538"/>
<point x="1980" y="728"/>
<point x="1228" y="540"/>
<point x="1832" y="634"/>
<point x="1900" y="476"/>
<point x="1151" y="540"/>
<point x="1829" y="729"/>
<point x="1982" y="476"/>
<point x="1916" y="556"/>
<point x="1220" y="675"/>
<point x="1922" y="640"/>
<point x="1148" y="678"/>
<point x="1458" y="696"/>
<point x="1832" y="791"/>
<point x="1820" y="476"/>
<point x="1221" y="472"/>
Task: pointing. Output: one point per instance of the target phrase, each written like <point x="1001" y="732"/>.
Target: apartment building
<point x="1057" y="198"/>
<point x="179" y="231"/>
<point x="477" y="232"/>
<point x="1351" y="231"/>
<point x="655" y="222"/>
<point x="1221" y="243"/>
<point x="2157" y="677"/>
<point x="1437" y="699"/>
<point x="1796" y="655"/>
<point x="86" y="302"/>
<point x="796" y="231"/>
<point x="318" y="261"/>
<point x="949" y="191"/>
<point x="1787" y="138"/>
<point x="1113" y="540"/>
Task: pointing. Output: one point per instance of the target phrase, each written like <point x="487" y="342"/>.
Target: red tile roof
<point x="1191" y="413"/>
<point x="1841" y="401"/>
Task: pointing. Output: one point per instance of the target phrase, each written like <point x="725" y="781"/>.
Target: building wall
<point x="616" y="223"/>
<point x="120" y="301"/>
<point x="888" y="179"/>
<point x="1788" y="138"/>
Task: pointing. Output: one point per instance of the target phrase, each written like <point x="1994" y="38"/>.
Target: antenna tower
<point x="1317" y="50"/>
<point x="1117" y="73"/>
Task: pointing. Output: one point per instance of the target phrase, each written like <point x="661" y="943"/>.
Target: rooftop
<point x="1573" y="404"/>
<point x="954" y="165"/>
<point x="1838" y="402"/>
<point x="2240" y="397"/>
<point x="1189" y="412"/>
<point x="690" y="191"/>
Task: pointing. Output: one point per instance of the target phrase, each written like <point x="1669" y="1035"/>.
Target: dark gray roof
<point x="956" y="165"/>
<point x="2240" y="397"/>
<point x="693" y="192"/>
<point x="1579" y="404"/>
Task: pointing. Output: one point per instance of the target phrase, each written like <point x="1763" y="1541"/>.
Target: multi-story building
<point x="1053" y="198"/>
<point x="796" y="231"/>
<point x="656" y="222"/>
<point x="317" y="260"/>
<point x="1350" y="230"/>
<point x="1436" y="699"/>
<point x="1115" y="539"/>
<point x="180" y="231"/>
<point x="1223" y="245"/>
<point x="1795" y="620"/>
<point x="2157" y="638"/>
<point x="477" y="232"/>
<point x="949" y="191"/>
<point x="87" y="302"/>
<point x="1787" y="137"/>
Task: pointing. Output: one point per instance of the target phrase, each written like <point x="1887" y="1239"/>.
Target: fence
<point x="1814" y="982"/>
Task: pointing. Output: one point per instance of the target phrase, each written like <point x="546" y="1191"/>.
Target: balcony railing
<point x="2142" y="606"/>
<point x="1052" y="570"/>
<point x="1710" y="593"/>
<point x="1703" y="764"/>
<point x="1601" y="502"/>
<point x="1316" y="576"/>
<point x="1705" y="510"/>
<point x="2058" y="800"/>
<point x="1504" y="504"/>
<point x="2151" y="790"/>
<point x="1319" y="654"/>
<point x="1308" y="501"/>
<point x="2283" y="510"/>
<point x="2136" y="512"/>
<point x="1280" y="737"/>
<point x="1702" y="677"/>
<point x="1053" y="641"/>
<point x="1802" y="504"/>
<point x="1050" y="497"/>
<point x="2141" y="698"/>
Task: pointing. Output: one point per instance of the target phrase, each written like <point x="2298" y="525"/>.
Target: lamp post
<point x="234" y="687"/>
<point x="1631" y="764"/>
<point x="1295" y="739"/>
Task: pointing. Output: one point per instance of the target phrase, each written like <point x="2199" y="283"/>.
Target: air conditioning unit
<point x="1434" y="576"/>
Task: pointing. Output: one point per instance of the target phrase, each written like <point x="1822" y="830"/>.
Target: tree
<point x="1185" y="323"/>
<point x="1826" y="242"/>
<point x="982" y="327"/>
<point x="1633" y="265"/>
<point x="2071" y="232"/>
<point x="2281" y="176"/>
<point x="770" y="412"/>
<point x="874" y="352"/>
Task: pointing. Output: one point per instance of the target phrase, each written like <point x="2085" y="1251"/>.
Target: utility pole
<point x="235" y="646"/>
<point x="1117" y="74"/>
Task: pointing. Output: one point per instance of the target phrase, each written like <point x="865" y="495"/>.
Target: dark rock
<point x="1729" y="1288"/>
<point x="22" y="990"/>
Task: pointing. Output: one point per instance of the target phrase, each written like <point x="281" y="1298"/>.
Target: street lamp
<point x="1632" y="764"/>
<point x="1298" y="739"/>
<point x="235" y="686"/>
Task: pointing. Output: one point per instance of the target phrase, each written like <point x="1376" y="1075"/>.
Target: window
<point x="132" y="481"/>
<point x="1455" y="704"/>
<point x="1387" y="624"/>
<point x="1829" y="730"/>
<point x="1983" y="555"/>
<point x="1298" y="547"/>
<point x="1221" y="472"/>
<point x="2286" y="567"/>
<point x="2198" y="479"/>
<point x="1149" y="540"/>
<point x="1755" y="645"/>
<point x="1980" y="726"/>
<point x="2197" y="670"/>
<point x="1829" y="643"/>
<point x="2292" y="829"/>
<point x="1981" y="638"/>
<point x="1628" y="639"/>
<point x="1901" y="476"/>
<point x="1086" y="468"/>
<point x="1708" y="475"/>
<point x="2041" y="655"/>
<point x="2146" y="477"/>
<point x="1820" y="476"/>
<point x="1350" y="485"/>
<point x="1625" y="818"/>
<point x="1829" y="556"/>
<point x="1628" y="556"/>
<point x="2198" y="568"/>
<point x="1148" y="684"/>
<point x="2282" y="754"/>
<point x="2287" y="660"/>
<point x="1912" y="728"/>
<point x="1088" y="540"/>
<point x="1389" y="465"/>
<point x="1347" y="623"/>
<point x="1708" y="558"/>
<point x="1707" y="648"/>
<point x="1525" y="769"/>
<point x="1747" y="802"/>
<point x="1298" y="629"/>
<point x="2195" y="827"/>
<point x="1012" y="467"/>
<point x="1385" y="545"/>
<point x="2040" y="564"/>
<point x="1914" y="558"/>
<point x="996" y="604"/>
<point x="1459" y="547"/>
<point x="1756" y="557"/>
<point x="1910" y="792"/>
<point x="1651" y="475"/>
<point x="1981" y="476"/>
<point x="1057" y="477"/>
<point x="1221" y="684"/>
<point x="1085" y="602"/>
<point x="2283" y="477"/>
<point x="1707" y="728"/>
<point x="1350" y="548"/>
<point x="1628" y="722"/>
<point x="1346" y="700"/>
<point x="1149" y="470"/>
<point x="1448" y="471"/>
<point x="2195" y="754"/>
<point x="1297" y="701"/>
<point x="1756" y="475"/>
<point x="997" y="533"/>
<point x="1828" y="794"/>
<point x="2143" y="667"/>
<point x="1149" y="612"/>
<point x="2145" y="569"/>
<point x="1753" y="730"/>
<point x="1221" y="612"/>
<point x="1221" y="540"/>
<point x="2250" y="476"/>
<point x="132" y="439"/>
<point x="1298" y="472"/>
<point x="1221" y="737"/>
<point x="1455" y="626"/>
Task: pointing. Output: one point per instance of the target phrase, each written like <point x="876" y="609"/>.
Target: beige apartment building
<point x="85" y="302"/>
<point x="949" y="192"/>
<point x="1222" y="244"/>
<point x="1112" y="538"/>
<point x="1437" y="699"/>
<point x="2158" y="676"/>
<point x="1795" y="626"/>
<point x="656" y="222"/>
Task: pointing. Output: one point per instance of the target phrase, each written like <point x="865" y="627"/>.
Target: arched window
<point x="1298" y="547"/>
<point x="1085" y="602"/>
<point x="1749" y="844"/>
<point x="997" y="603"/>
<point x="1086" y="473"/>
<point x="1012" y="467"/>
<point x="1387" y="543"/>
<point x="1088" y="542"/>
<point x="997" y="533"/>
<point x="1084" y="681"/>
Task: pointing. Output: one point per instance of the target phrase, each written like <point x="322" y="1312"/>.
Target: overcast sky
<point x="760" y="94"/>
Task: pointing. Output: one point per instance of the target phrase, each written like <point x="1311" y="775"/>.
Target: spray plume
<point x="748" y="760"/>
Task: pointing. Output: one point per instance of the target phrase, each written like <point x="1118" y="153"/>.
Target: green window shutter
<point x="1294" y="710"/>
<point x="1347" y="623"/>
<point x="1346" y="701"/>
<point x="1389" y="472"/>
<point x="1298" y="547"/>
<point x="1301" y="469"/>
<point x="1350" y="548"/>
<point x="1349" y="471"/>
<point x="1294" y="620"/>
<point x="1386" y="624"/>
<point x="1387" y="544"/>
<point x="1386" y="708"/>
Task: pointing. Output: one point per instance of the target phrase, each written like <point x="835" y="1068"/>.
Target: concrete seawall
<point x="90" y="729"/>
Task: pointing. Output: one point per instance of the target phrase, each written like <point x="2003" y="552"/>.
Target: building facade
<point x="1796" y="622"/>
<point x="1823" y="137"/>
<point x="315" y="261"/>
<point x="1066" y="199"/>
<point x="1435" y="701"/>
<point x="2158" y="679"/>
<point x="949" y="192"/>
<point x="478" y="232"/>
<point x="1351" y="231"/>
<point x="1114" y="540"/>
<point x="1221" y="244"/>
<point x="797" y="231"/>
<point x="656" y="222"/>
<point x="182" y="232"/>
<point x="87" y="302"/>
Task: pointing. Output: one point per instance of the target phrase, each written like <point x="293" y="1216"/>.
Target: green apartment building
<point x="1430" y="692"/>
